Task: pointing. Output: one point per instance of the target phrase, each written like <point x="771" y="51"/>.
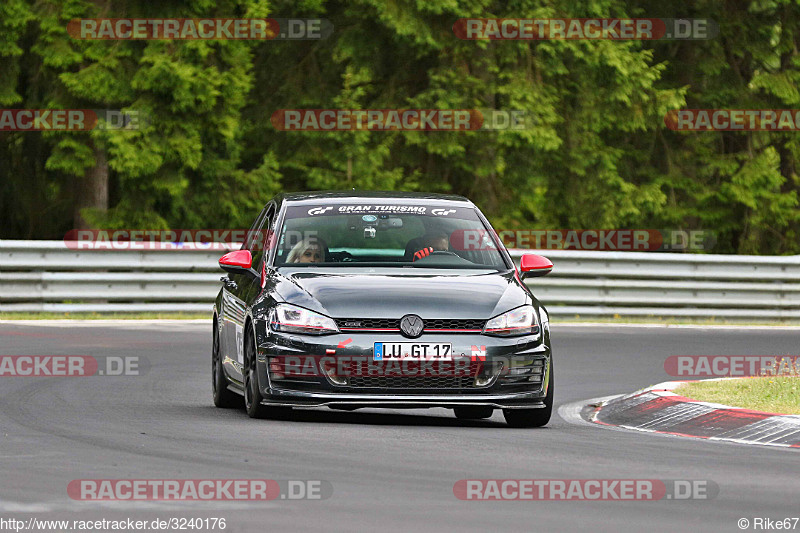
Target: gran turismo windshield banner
<point x="380" y="208"/>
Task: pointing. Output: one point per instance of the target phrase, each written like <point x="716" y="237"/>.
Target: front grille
<point x="392" y="375"/>
<point x="424" y="382"/>
<point x="368" y="323"/>
<point x="453" y="325"/>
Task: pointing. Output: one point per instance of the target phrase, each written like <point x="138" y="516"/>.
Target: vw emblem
<point x="411" y="326"/>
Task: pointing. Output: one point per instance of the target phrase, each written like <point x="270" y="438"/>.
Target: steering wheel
<point x="439" y="253"/>
<point x="343" y="257"/>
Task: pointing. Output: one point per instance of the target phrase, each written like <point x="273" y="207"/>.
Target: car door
<point x="233" y="308"/>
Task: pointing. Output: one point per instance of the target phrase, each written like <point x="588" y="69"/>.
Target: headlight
<point x="292" y="319"/>
<point x="519" y="321"/>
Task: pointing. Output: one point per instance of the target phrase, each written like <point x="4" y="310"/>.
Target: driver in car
<point x="438" y="242"/>
<point x="308" y="250"/>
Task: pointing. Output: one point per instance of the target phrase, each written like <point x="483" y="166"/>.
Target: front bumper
<point x="403" y="401"/>
<point x="320" y="391"/>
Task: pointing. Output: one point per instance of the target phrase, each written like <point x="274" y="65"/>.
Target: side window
<point x="251" y="232"/>
<point x="258" y="240"/>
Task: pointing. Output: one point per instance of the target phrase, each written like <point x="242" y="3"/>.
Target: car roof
<point x="343" y="196"/>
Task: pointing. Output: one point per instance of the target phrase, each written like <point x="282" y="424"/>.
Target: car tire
<point x="223" y="397"/>
<point x="533" y="418"/>
<point x="473" y="413"/>
<point x="252" y="388"/>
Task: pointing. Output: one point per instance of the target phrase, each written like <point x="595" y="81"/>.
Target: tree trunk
<point x="92" y="190"/>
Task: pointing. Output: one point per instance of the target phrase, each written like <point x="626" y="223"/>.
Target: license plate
<point x="419" y="351"/>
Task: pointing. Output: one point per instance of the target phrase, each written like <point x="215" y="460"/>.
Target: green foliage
<point x="14" y="17"/>
<point x="595" y="151"/>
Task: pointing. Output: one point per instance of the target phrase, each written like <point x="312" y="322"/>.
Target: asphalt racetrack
<point x="390" y="470"/>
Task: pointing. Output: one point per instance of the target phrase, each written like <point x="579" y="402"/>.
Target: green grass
<point x="103" y="316"/>
<point x="775" y="394"/>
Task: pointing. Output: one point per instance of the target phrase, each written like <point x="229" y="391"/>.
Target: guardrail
<point x="40" y="276"/>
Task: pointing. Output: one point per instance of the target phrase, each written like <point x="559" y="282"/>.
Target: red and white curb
<point x="659" y="410"/>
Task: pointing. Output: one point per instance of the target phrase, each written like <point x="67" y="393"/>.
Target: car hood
<point x="359" y="295"/>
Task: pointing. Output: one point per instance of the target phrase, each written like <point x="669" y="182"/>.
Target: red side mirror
<point x="236" y="261"/>
<point x="533" y="266"/>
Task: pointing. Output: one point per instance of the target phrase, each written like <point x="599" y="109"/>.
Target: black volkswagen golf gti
<point x="399" y="300"/>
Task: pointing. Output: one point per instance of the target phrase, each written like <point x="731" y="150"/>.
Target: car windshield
<point x="386" y="234"/>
